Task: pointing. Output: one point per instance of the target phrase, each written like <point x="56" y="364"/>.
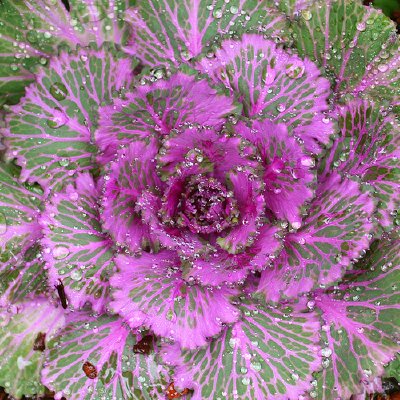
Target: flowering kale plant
<point x="198" y="199"/>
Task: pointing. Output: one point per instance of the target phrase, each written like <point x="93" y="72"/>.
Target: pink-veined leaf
<point x="132" y="172"/>
<point x="76" y="251"/>
<point x="33" y="30"/>
<point x="276" y="85"/>
<point x="270" y="353"/>
<point x="168" y="33"/>
<point x="368" y="147"/>
<point x="92" y="358"/>
<point x="21" y="269"/>
<point x="150" y="291"/>
<point x="335" y="232"/>
<point x="22" y="344"/>
<point x="348" y="40"/>
<point x="50" y="132"/>
<point x="287" y="169"/>
<point x="362" y="323"/>
<point x="157" y="108"/>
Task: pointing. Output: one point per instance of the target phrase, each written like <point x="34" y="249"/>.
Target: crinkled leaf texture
<point x="199" y="200"/>
<point x="21" y="354"/>
<point x="116" y="372"/>
<point x="33" y="30"/>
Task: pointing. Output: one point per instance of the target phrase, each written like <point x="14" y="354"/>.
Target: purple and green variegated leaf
<point x="287" y="169"/>
<point x="362" y="323"/>
<point x="346" y="39"/>
<point x="157" y="108"/>
<point x="22" y="277"/>
<point x="133" y="172"/>
<point x="76" y="251"/>
<point x="50" y="131"/>
<point x="336" y="231"/>
<point x="20" y="265"/>
<point x="22" y="344"/>
<point x="32" y="30"/>
<point x="168" y="33"/>
<point x="115" y="370"/>
<point x="368" y="147"/>
<point x="271" y="353"/>
<point x="150" y="291"/>
<point x="273" y="84"/>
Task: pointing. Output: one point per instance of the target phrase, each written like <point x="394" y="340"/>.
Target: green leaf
<point x="362" y="323"/>
<point x="270" y="354"/>
<point x="20" y="265"/>
<point x="173" y="32"/>
<point x="393" y="369"/>
<point x="20" y="363"/>
<point x="33" y="30"/>
<point x="107" y="344"/>
<point x="51" y="131"/>
<point x="346" y="38"/>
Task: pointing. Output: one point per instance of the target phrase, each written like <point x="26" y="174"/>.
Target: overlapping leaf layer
<point x="198" y="200"/>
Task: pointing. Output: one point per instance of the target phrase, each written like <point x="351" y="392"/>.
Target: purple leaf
<point x="287" y="170"/>
<point x="150" y="291"/>
<point x="362" y="323"/>
<point x="335" y="232"/>
<point x="273" y="84"/>
<point x="167" y="33"/>
<point x="270" y="353"/>
<point x="94" y="357"/>
<point x="21" y="358"/>
<point x="76" y="251"/>
<point x="157" y="108"/>
<point x="369" y="147"/>
<point x="50" y="131"/>
<point x="133" y="172"/>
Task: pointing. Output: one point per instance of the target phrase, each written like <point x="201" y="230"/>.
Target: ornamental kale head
<point x="198" y="199"/>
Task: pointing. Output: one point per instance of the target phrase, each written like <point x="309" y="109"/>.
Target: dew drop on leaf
<point x="59" y="91"/>
<point x="60" y="252"/>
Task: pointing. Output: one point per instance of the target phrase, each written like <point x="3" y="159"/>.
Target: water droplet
<point x="64" y="162"/>
<point x="295" y="70"/>
<point x="32" y="36"/>
<point x="361" y="26"/>
<point x="246" y="381"/>
<point x="233" y="10"/>
<point x="217" y="13"/>
<point x="306" y="15"/>
<point x="60" y="252"/>
<point x="326" y="352"/>
<point x="76" y="275"/>
<point x="255" y="365"/>
<point x="59" y="91"/>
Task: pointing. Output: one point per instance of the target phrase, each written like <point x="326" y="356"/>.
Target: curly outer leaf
<point x="50" y="131"/>
<point x="32" y="30"/>
<point x="335" y="232"/>
<point x="170" y="33"/>
<point x="76" y="251"/>
<point x="21" y="270"/>
<point x="20" y="360"/>
<point x="107" y="344"/>
<point x="362" y="323"/>
<point x="271" y="353"/>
